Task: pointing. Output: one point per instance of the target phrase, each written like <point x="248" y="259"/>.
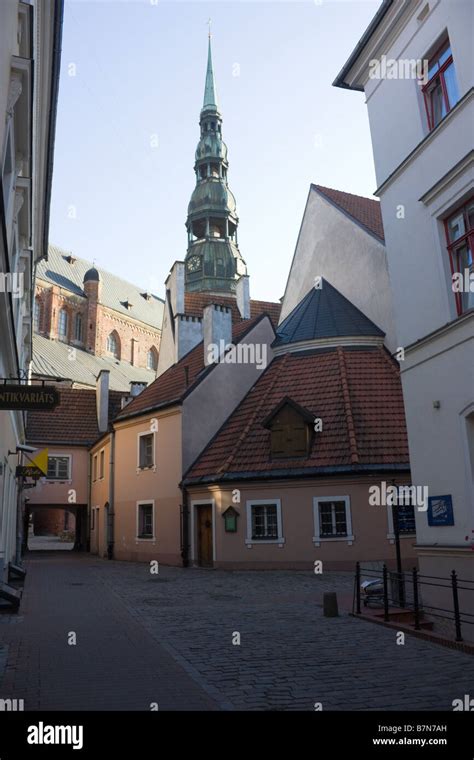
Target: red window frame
<point x="439" y="74"/>
<point x="467" y="238"/>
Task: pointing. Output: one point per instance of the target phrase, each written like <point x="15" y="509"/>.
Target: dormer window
<point x="290" y="430"/>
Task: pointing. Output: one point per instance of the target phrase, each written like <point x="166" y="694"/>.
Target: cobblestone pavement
<point x="289" y="658"/>
<point x="115" y="665"/>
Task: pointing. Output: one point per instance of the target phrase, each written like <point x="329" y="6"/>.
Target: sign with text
<point x="440" y="510"/>
<point x="28" y="397"/>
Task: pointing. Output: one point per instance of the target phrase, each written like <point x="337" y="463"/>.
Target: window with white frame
<point x="145" y="527"/>
<point x="59" y="468"/>
<point x="146" y="457"/>
<point x="264" y="521"/>
<point x="332" y="519"/>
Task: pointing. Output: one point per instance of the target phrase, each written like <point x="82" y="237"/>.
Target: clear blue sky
<point x="139" y="73"/>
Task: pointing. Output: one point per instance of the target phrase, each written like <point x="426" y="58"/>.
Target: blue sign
<point x="440" y="510"/>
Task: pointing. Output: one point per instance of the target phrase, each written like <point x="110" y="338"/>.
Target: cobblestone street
<point x="168" y="638"/>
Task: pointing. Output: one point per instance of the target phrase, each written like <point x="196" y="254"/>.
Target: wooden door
<point x="204" y="535"/>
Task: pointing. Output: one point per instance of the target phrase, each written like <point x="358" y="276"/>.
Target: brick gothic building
<point x="97" y="312"/>
<point x="112" y="325"/>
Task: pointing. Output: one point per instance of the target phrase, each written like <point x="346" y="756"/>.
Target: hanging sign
<point x="29" y="397"/>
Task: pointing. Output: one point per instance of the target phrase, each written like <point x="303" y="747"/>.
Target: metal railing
<point x="404" y="592"/>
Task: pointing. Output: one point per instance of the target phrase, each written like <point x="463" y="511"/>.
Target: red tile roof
<point x="170" y="387"/>
<point x="73" y="421"/>
<point x="366" y="211"/>
<point x="194" y="304"/>
<point x="357" y="394"/>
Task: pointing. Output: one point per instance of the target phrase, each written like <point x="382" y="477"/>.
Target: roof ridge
<point x="347" y="406"/>
<point x="345" y="192"/>
<point x="246" y="428"/>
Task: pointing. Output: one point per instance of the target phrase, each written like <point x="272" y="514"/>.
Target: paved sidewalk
<point x="115" y="665"/>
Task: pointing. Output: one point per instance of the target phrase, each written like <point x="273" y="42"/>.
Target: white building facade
<point x="30" y="37"/>
<point x="423" y="141"/>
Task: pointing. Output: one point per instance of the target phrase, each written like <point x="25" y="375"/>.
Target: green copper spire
<point x="213" y="260"/>
<point x="210" y="95"/>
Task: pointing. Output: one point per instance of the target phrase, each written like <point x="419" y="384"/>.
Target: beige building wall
<point x="99" y="496"/>
<point x="71" y="491"/>
<point x="157" y="485"/>
<point x="372" y="533"/>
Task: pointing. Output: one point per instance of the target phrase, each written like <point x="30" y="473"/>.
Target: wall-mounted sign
<point x="230" y="520"/>
<point x="28" y="397"/>
<point x="37" y="468"/>
<point x="440" y="510"/>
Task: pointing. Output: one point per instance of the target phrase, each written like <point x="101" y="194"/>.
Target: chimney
<point x="217" y="331"/>
<point x="175" y="284"/>
<point x="102" y="400"/>
<point x="243" y="296"/>
<point x="136" y="388"/>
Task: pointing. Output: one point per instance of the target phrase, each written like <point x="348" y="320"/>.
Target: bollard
<point x="330" y="608"/>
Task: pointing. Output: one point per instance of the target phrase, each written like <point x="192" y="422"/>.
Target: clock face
<point x="194" y="263"/>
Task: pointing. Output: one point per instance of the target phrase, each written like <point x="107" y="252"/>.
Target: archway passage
<point x="55" y="527"/>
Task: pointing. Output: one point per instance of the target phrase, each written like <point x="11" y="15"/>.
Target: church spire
<point x="213" y="260"/>
<point x="210" y="94"/>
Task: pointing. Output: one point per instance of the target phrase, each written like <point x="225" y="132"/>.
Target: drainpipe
<point x="185" y="527"/>
<point x="111" y="511"/>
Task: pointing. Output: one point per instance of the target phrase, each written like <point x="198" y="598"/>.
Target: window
<point x="290" y="430"/>
<point x="441" y="92"/>
<point x="78" y="327"/>
<point x="66" y="520"/>
<point x="62" y="325"/>
<point x="332" y="519"/>
<point x="101" y="463"/>
<point x="113" y="345"/>
<point x="152" y="359"/>
<point x="59" y="468"/>
<point x="93" y="518"/>
<point x="145" y="521"/>
<point x="37" y="315"/>
<point x="460" y="239"/>
<point x="145" y="451"/>
<point x="94" y="467"/>
<point x="264" y="522"/>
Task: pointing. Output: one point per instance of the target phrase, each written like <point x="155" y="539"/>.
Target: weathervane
<point x="209" y="22"/>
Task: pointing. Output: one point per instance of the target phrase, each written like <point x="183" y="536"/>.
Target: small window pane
<point x="451" y="85"/>
<point x="470" y="215"/>
<point x="438" y="106"/>
<point x="445" y="55"/>
<point x="456" y="227"/>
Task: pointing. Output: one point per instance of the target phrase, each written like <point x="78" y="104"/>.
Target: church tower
<point x="213" y="261"/>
